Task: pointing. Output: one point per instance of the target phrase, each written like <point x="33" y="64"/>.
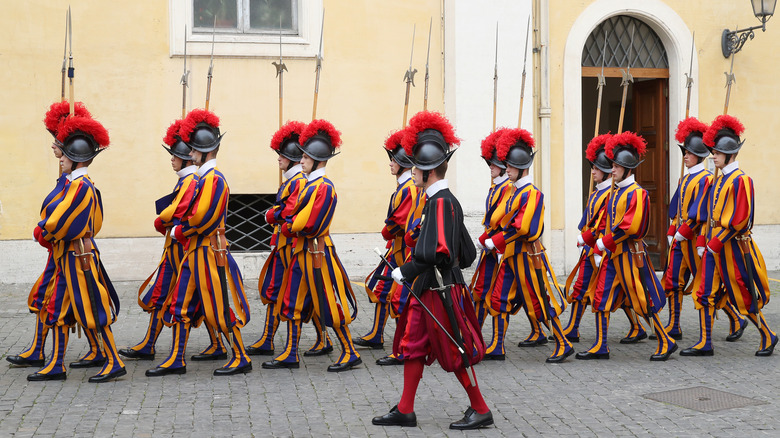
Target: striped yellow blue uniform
<point x="399" y="296"/>
<point x="517" y="283"/>
<point x="298" y="298"/>
<point x="487" y="265"/>
<point x="724" y="275"/>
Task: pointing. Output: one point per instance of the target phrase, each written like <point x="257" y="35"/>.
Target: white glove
<point x="600" y="245"/>
<point x="669" y="239"/>
<point x="710" y="250"/>
<point x="479" y="246"/>
<point x="397" y="276"/>
<point x="700" y="251"/>
<point x="679" y="237"/>
<point x="597" y="258"/>
<point x="489" y="245"/>
<point x="580" y="241"/>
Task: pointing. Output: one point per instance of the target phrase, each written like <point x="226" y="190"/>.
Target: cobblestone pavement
<point x="527" y="396"/>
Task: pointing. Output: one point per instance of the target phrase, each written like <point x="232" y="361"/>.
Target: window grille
<point x="647" y="51"/>
<point x="246" y="227"/>
<point x="245" y="16"/>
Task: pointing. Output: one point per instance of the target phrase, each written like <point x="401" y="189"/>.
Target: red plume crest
<point x="428" y="120"/>
<point x="321" y="125"/>
<point x="510" y="138"/>
<point x="724" y="121"/>
<point x="87" y="125"/>
<point x="173" y="131"/>
<point x="489" y="143"/>
<point x="597" y="143"/>
<point x="685" y="127"/>
<point x="393" y="141"/>
<point x="59" y="110"/>
<point x="289" y="128"/>
<point x="626" y="138"/>
<point x="193" y="118"/>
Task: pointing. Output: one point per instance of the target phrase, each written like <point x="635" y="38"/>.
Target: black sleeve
<point x="437" y="244"/>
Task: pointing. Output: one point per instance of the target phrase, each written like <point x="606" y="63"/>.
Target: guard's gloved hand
<point x="679" y="237"/>
<point x="580" y="241"/>
<point x="670" y="238"/>
<point x="600" y="245"/>
<point x="269" y="217"/>
<point x="597" y="258"/>
<point x="489" y="245"/>
<point x="700" y="251"/>
<point x="397" y="276"/>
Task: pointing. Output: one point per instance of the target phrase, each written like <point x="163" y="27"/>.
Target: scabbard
<point x="747" y="258"/>
<point x="536" y="258"/>
<point x="84" y="246"/>
<point x="219" y="245"/>
<point x="319" y="250"/>
<point x="639" y="263"/>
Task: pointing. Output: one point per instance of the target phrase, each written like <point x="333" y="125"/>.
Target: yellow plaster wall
<point x="129" y="82"/>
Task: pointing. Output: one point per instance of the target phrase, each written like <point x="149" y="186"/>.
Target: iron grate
<point x="647" y="51"/>
<point x="246" y="227"/>
<point x="703" y="399"/>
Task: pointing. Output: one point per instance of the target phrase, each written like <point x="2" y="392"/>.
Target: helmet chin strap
<point x="425" y="176"/>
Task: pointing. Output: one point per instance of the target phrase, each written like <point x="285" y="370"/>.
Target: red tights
<point x="413" y="371"/>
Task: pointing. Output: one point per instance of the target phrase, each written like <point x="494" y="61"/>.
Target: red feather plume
<point x="510" y="138"/>
<point x="428" y="120"/>
<point x="597" y="143"/>
<point x="173" y="131"/>
<point x="87" y="125"/>
<point x="626" y="138"/>
<point x="321" y="125"/>
<point x="724" y="121"/>
<point x="59" y="110"/>
<point x="489" y="143"/>
<point x="393" y="141"/>
<point x="685" y="127"/>
<point x="289" y="128"/>
<point x="193" y="118"/>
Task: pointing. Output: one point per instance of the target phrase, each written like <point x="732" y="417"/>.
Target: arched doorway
<point x="617" y="43"/>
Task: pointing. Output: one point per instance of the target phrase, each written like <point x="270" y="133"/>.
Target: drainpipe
<point x="541" y="38"/>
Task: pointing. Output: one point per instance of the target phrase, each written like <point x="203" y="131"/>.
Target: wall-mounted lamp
<point x="732" y="41"/>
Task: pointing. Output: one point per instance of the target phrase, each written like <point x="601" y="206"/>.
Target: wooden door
<point x="651" y="122"/>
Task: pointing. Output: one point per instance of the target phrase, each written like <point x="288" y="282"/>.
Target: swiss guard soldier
<point x="625" y="275"/>
<point x="209" y="278"/>
<point x="34" y="355"/>
<point x="171" y="209"/>
<point x="732" y="265"/>
<point x="524" y="276"/>
<point x="393" y="231"/>
<point x="500" y="191"/>
<point x="443" y="249"/>
<point x="81" y="291"/>
<point x="684" y="211"/>
<point x="316" y="283"/>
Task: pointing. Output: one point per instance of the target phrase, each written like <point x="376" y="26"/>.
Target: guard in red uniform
<point x="443" y="249"/>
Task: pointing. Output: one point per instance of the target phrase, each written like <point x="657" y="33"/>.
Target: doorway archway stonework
<point x="675" y="36"/>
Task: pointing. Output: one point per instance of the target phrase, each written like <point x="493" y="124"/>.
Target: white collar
<point x="81" y="171"/>
<point x="208" y="165"/>
<point x="604" y="184"/>
<point x="436" y="187"/>
<point x="406" y="176"/>
<point x="626" y="182"/>
<point x="289" y="173"/>
<point x="695" y="169"/>
<point x="189" y="170"/>
<point x="734" y="165"/>
<point x="316" y="174"/>
<point x="499" y="179"/>
<point x="528" y="179"/>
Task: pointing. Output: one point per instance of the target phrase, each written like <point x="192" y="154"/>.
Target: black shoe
<point x="472" y="420"/>
<point x="737" y="334"/>
<point x="134" y="354"/>
<point x="494" y="357"/>
<point x="110" y="376"/>
<point x="697" y="352"/>
<point x="767" y="351"/>
<point x="25" y="361"/>
<point x="676" y="336"/>
<point x="364" y="343"/>
<point x="164" y="371"/>
<point x="226" y="371"/>
<point x="205" y="357"/>
<point x="396" y="418"/>
<point x="533" y="343"/>
<point x="389" y="360"/>
<point x="319" y="352"/>
<point x="278" y="364"/>
<point x="339" y="367"/>
<point x="89" y="363"/>
<point x="663" y="356"/>
<point x="633" y="339"/>
<point x="652" y="337"/>
<point x="254" y="351"/>
<point x="39" y="377"/>
<point x="561" y="358"/>
<point x="587" y="355"/>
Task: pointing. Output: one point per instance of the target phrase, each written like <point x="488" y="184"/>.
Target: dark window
<point x="246" y="227"/>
